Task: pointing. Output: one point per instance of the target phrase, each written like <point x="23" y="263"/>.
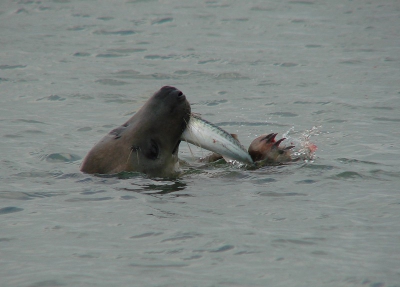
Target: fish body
<point x="208" y="136"/>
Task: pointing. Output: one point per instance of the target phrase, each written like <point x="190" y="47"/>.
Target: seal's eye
<point x="153" y="151"/>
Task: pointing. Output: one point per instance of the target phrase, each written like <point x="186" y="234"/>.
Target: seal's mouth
<point x="178" y="113"/>
<point x="185" y="120"/>
<point x="175" y="150"/>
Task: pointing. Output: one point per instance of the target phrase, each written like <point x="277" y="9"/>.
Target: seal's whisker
<point x="127" y="160"/>
<point x="137" y="156"/>
<point x="193" y="157"/>
<point x="136" y="148"/>
<point x="129" y="156"/>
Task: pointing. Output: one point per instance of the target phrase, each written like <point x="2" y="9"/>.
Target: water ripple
<point x="222" y="248"/>
<point x="278" y="194"/>
<point x="111" y="82"/>
<point x="350" y="160"/>
<point x="159" y="265"/>
<point x="118" y="32"/>
<point x="89" y="199"/>
<point x="384" y="119"/>
<point x="147" y="234"/>
<point x="10" y="209"/>
<point x="62" y="157"/>
<point x="162" y="21"/>
<point x="349" y="175"/>
<point x="183" y="236"/>
<point x="10" y="67"/>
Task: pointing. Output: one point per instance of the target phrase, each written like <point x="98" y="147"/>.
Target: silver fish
<point x="208" y="136"/>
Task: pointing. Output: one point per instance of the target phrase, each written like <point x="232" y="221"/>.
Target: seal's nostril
<point x="180" y="96"/>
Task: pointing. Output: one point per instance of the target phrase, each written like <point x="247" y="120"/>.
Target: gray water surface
<point x="70" y="71"/>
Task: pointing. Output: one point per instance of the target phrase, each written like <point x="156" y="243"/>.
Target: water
<point x="70" y="71"/>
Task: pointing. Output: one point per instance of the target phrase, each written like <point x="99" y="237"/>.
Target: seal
<point x="148" y="142"/>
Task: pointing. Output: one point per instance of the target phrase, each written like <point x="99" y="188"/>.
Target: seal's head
<point x="148" y="142"/>
<point x="266" y="149"/>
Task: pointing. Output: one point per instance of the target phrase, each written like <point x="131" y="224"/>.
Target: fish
<point x="206" y="135"/>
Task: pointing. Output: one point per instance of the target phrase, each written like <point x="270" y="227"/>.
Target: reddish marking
<point x="312" y="147"/>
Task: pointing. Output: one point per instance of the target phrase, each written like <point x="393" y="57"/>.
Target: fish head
<point x="268" y="150"/>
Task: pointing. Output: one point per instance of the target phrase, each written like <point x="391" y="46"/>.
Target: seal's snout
<point x="179" y="95"/>
<point x="172" y="91"/>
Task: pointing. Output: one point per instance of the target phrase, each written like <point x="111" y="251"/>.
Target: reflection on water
<point x="160" y="187"/>
<point x="165" y="188"/>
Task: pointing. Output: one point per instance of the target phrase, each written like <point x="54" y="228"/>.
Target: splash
<point x="304" y="149"/>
